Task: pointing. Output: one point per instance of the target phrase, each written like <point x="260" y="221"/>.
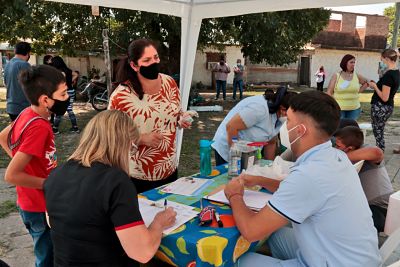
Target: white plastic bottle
<point x="235" y="155"/>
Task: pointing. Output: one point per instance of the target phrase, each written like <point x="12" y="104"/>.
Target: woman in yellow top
<point x="345" y="87"/>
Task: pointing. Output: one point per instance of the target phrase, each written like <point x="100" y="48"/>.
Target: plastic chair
<point x="392" y="221"/>
<point x="390" y="245"/>
<point x="358" y="165"/>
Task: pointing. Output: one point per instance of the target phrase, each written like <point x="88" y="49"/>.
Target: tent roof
<point x="218" y="8"/>
<point x="193" y="11"/>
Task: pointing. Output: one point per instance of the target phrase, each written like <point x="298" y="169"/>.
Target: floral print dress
<point x="154" y="113"/>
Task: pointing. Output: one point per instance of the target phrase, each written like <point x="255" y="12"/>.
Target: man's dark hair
<point x="350" y="136"/>
<point x="322" y="108"/>
<point x="40" y="80"/>
<point x="22" y="48"/>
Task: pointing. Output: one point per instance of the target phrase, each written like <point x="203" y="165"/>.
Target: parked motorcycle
<point x="98" y="94"/>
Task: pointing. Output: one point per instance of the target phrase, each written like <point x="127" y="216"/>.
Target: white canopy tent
<point x="193" y="11"/>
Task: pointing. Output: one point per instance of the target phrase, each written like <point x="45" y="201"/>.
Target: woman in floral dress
<point x="152" y="100"/>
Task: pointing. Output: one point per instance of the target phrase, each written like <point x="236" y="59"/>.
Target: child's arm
<point x="15" y="172"/>
<point x="373" y="154"/>
<point x="3" y="140"/>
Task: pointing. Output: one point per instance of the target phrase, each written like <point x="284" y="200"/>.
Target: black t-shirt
<point x="390" y="78"/>
<point x="86" y="206"/>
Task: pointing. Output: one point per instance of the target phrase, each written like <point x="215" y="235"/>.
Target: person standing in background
<point x="238" y="79"/>
<point x="59" y="64"/>
<point x="16" y="99"/>
<point x="221" y="74"/>
<point x="320" y="78"/>
<point x="382" y="101"/>
<point x="346" y="86"/>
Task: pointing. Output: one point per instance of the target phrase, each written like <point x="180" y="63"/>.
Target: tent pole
<point x="396" y="26"/>
<point x="107" y="60"/>
<point x="190" y="29"/>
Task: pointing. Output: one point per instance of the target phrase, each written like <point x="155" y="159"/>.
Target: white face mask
<point x="282" y="120"/>
<point x="284" y="135"/>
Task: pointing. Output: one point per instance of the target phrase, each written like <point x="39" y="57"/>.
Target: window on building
<point x="361" y="22"/>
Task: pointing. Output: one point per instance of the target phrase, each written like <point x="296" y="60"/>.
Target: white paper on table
<point x="278" y="170"/>
<point x="255" y="200"/>
<point x="186" y="186"/>
<point x="149" y="209"/>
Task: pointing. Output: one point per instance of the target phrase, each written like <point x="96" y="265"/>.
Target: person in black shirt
<point x="382" y="100"/>
<point x="92" y="204"/>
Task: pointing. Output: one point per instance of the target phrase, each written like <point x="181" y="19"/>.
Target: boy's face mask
<point x="59" y="107"/>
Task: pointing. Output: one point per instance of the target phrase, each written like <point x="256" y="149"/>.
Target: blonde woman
<point x="345" y="87"/>
<point x="92" y="204"/>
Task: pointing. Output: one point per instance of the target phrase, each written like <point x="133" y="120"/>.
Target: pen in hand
<point x="165" y="204"/>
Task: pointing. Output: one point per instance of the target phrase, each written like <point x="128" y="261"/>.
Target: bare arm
<point x="233" y="127"/>
<point x="141" y="243"/>
<point x="363" y="81"/>
<point x="331" y="86"/>
<point x="373" y="154"/>
<point x="252" y="225"/>
<point x="3" y="140"/>
<point x="252" y="180"/>
<point x="150" y="139"/>
<point x="15" y="172"/>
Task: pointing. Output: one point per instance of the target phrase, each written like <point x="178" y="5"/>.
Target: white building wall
<point x="366" y="63"/>
<point x="202" y="74"/>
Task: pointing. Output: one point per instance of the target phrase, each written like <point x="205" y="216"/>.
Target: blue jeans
<point x="221" y="85"/>
<point x="350" y="114"/>
<point x="35" y="223"/>
<point x="283" y="247"/>
<point x="237" y="83"/>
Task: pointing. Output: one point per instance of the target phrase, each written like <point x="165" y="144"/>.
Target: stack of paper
<point x="187" y="186"/>
<point x="149" y="209"/>
<point x="255" y="200"/>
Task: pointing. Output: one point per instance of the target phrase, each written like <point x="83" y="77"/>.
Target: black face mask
<point x="221" y="63"/>
<point x="150" y="72"/>
<point x="60" y="107"/>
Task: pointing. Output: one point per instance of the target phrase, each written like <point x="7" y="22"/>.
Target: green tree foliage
<point x="276" y="37"/>
<point x="390" y="12"/>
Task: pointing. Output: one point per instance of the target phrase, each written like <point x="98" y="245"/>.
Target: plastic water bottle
<point x="205" y="157"/>
<point x="258" y="157"/>
<point x="235" y="164"/>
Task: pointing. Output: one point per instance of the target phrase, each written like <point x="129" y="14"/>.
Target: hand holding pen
<point x="165" y="218"/>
